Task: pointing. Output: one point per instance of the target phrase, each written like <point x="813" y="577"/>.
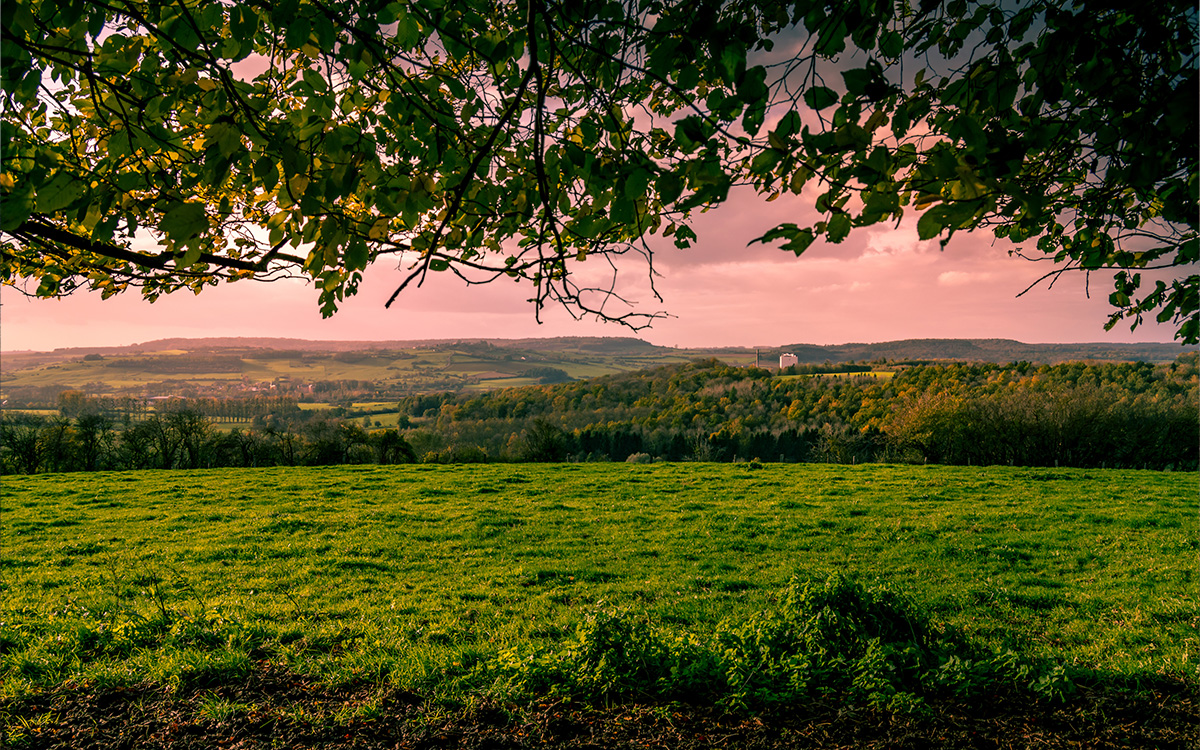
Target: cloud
<point x="891" y="240"/>
<point x="962" y="278"/>
<point x="883" y="283"/>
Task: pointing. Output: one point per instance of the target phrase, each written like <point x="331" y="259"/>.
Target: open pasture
<point x="421" y="575"/>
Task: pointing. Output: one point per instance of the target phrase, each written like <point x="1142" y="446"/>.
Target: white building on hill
<point x="787" y="360"/>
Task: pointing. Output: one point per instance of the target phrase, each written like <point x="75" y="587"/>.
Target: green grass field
<point x="424" y="576"/>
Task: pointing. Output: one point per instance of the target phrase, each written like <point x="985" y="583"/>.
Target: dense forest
<point x="1128" y="414"/>
<point x="1077" y="414"/>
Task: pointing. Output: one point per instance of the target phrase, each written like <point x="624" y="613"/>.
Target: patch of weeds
<point x="542" y="577"/>
<point x="863" y="644"/>
<point x="1045" y="583"/>
<point x="596" y="576"/>
<point x="11" y="641"/>
<point x="490" y="523"/>
<point x="794" y="505"/>
<point x="733" y="587"/>
<point x="361" y="565"/>
<point x="1154" y="523"/>
<point x="1052" y="476"/>
<point x="1039" y="602"/>
<point x="83" y="549"/>
<point x="287" y="526"/>
<point x="1005" y="554"/>
<point x="204" y="669"/>
<point x="993" y="596"/>
<point x="213" y="707"/>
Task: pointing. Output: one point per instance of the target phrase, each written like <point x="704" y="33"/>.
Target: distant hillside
<point x="615" y="345"/>
<point x="581" y="348"/>
<point x="608" y="345"/>
<point x="999" y="351"/>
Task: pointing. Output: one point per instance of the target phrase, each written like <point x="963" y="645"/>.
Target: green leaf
<point x="820" y="97"/>
<point x="190" y="258"/>
<point x="901" y="120"/>
<point x="838" y="228"/>
<point x="662" y="57"/>
<point x="636" y="183"/>
<point x="946" y="216"/>
<point x="764" y="163"/>
<point x="265" y="166"/>
<point x="669" y="187"/>
<point x="690" y="132"/>
<point x="799" y="177"/>
<point x="789" y="125"/>
<point x="298" y="32"/>
<point x="832" y="39"/>
<point x="931" y="223"/>
<point x="756" y="113"/>
<point x="799" y="241"/>
<point x="357" y="255"/>
<point x="59" y="193"/>
<point x="243" y="23"/>
<point x="316" y="80"/>
<point x="857" y="80"/>
<point x="14" y="213"/>
<point x="878" y="204"/>
<point x="733" y="62"/>
<point x="623" y="211"/>
<point x="891" y="45"/>
<point x="227" y="138"/>
<point x="185" y="221"/>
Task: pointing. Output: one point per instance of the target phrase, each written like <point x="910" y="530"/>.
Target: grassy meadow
<point x="429" y="576"/>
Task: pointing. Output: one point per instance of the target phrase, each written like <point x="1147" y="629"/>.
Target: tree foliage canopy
<point x="492" y="139"/>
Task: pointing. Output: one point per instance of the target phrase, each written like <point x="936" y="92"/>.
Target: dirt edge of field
<point x="273" y="708"/>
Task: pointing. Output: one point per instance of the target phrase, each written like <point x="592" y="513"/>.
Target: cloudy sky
<point x="881" y="284"/>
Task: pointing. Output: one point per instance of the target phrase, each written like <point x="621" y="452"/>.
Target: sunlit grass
<point x="417" y="574"/>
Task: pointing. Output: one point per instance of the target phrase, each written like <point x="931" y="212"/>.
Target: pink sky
<point x="881" y="284"/>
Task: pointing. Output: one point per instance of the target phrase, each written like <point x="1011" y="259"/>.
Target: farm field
<point x="220" y="367"/>
<point x="419" y="369"/>
<point x="449" y="581"/>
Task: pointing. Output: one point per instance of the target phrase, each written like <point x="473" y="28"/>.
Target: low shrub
<point x="868" y="645"/>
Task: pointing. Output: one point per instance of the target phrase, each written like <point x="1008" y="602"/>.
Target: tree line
<point x="187" y="439"/>
<point x="1077" y="414"/>
<point x="1088" y="415"/>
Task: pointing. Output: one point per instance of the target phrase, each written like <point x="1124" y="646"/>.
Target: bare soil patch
<point x="272" y="708"/>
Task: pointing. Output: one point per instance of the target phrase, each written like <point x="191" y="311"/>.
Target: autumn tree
<point x="170" y="144"/>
